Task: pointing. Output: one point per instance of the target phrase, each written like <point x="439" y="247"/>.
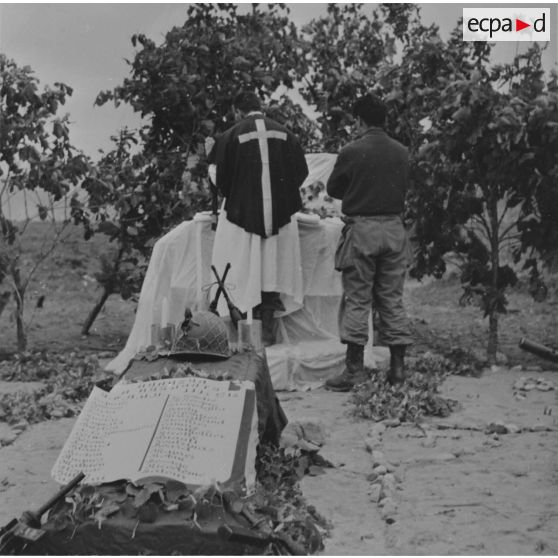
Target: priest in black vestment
<point x="260" y="168"/>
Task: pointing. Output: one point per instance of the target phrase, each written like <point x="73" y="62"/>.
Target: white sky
<point x="84" y="46"/>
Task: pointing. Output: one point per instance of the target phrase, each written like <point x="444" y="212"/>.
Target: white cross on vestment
<point x="262" y="134"/>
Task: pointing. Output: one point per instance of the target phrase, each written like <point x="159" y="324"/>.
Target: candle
<point x="164" y="312"/>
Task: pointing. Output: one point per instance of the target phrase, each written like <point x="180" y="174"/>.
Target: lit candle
<point x="164" y="312"/>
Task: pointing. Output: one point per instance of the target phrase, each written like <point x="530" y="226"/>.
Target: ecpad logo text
<point x="506" y="24"/>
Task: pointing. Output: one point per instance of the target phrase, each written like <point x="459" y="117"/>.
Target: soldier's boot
<point x="354" y="372"/>
<point x="268" y="327"/>
<point x="396" y="373"/>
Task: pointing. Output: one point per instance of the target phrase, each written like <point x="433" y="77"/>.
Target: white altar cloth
<point x="308" y="349"/>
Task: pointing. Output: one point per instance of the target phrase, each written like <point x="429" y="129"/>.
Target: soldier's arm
<point x="338" y="181"/>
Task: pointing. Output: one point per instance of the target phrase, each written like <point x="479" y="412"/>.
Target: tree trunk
<point x="492" y="347"/>
<point x="4" y="299"/>
<point x="19" y="295"/>
<point x="108" y="290"/>
<point x="95" y="312"/>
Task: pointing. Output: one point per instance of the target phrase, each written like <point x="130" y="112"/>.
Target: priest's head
<point x="246" y="102"/>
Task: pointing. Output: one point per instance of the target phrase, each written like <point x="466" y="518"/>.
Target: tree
<point x="38" y="163"/>
<point x="184" y="90"/>
<point x="345" y="50"/>
<point x="485" y="170"/>
<point x="114" y="207"/>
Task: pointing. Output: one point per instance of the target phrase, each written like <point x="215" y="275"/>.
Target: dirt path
<point x="456" y="489"/>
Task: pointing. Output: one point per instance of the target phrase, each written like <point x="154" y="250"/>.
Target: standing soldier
<point x="260" y="168"/>
<point x="370" y="177"/>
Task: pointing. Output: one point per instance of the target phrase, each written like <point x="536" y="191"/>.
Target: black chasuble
<point x="260" y="168"/>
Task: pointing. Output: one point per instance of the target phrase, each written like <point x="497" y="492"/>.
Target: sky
<point x="85" y="46"/>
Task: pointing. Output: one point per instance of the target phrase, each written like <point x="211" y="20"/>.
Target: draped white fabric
<point x="299" y="265"/>
<point x="258" y="264"/>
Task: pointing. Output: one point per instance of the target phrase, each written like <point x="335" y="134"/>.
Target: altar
<point x="308" y="350"/>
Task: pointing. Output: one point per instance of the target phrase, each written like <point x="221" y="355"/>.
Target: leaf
<point x="58" y="129"/>
<point x="132" y="231"/>
<point x="148" y="513"/>
<point x="240" y="62"/>
<point x="187" y="503"/>
<point x="146" y="493"/>
<point x="315" y="470"/>
<point x="461" y="113"/>
<point x="60" y="523"/>
<point x="109" y="228"/>
<point x="203" y="509"/>
<point x="128" y="510"/>
<point x="313" y="536"/>
<point x="43" y="212"/>
<point x="301" y="466"/>
<point x="175" y="490"/>
<point x="106" y="511"/>
<point x="87" y="491"/>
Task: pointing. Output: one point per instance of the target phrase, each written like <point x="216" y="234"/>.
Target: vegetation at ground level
<point x="67" y="380"/>
<point x="277" y="502"/>
<point x="414" y="400"/>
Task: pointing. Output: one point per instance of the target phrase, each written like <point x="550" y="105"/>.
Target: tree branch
<point x="480" y="219"/>
<point x="509" y="228"/>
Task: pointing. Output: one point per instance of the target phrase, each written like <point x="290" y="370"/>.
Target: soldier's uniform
<point x="371" y="176"/>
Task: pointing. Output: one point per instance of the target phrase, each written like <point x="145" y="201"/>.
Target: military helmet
<point x="203" y="333"/>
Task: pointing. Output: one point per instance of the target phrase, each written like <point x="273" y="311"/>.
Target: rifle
<point x="538" y="349"/>
<point x="234" y="312"/>
<point x="214" y="205"/>
<point x="18" y="533"/>
<point x="213" y="304"/>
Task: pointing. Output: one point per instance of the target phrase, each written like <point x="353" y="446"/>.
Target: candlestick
<point x="164" y="312"/>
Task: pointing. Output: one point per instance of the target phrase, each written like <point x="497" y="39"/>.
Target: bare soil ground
<point x="458" y="489"/>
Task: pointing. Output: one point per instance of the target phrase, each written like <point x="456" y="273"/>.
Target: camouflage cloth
<point x="372" y="255"/>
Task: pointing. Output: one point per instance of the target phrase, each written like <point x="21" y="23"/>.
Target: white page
<point x="83" y="450"/>
<point x="202" y="449"/>
<point x="184" y="428"/>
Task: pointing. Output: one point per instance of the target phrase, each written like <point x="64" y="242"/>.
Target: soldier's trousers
<point x="372" y="256"/>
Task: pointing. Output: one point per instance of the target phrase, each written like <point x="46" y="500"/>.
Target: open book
<point x="193" y="430"/>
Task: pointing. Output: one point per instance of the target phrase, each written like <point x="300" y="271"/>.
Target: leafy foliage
<point x="130" y="212"/>
<point x="68" y="379"/>
<point x="479" y="175"/>
<point x="346" y="50"/>
<point x="417" y="397"/>
<point x="184" y="88"/>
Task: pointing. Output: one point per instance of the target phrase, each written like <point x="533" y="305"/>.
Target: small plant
<point x="410" y="401"/>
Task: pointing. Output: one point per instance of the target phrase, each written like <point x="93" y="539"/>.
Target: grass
<point x="440" y="323"/>
<point x="66" y="280"/>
